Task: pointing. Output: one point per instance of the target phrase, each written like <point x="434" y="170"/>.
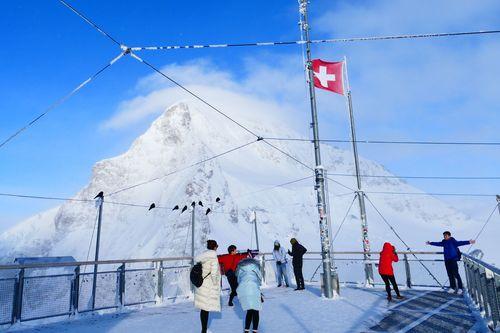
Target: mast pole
<point x="319" y="170"/>
<point x="360" y="194"/>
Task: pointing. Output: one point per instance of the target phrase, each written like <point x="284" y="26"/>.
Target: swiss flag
<point x="328" y="75"/>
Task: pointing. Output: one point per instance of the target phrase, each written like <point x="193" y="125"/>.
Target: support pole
<point x="192" y="236"/>
<point x="498" y="203"/>
<point x="159" y="293"/>
<point x="256" y="231"/>
<point x="319" y="172"/>
<point x="263" y="258"/>
<point x="121" y="285"/>
<point x="17" y="309"/>
<point x="75" y="291"/>
<point x="361" y="195"/>
<point x="408" y="272"/>
<point x="100" y="202"/>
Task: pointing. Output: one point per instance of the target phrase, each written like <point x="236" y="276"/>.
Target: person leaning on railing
<point x="452" y="255"/>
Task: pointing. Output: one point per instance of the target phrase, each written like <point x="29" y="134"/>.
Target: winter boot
<point x="279" y="285"/>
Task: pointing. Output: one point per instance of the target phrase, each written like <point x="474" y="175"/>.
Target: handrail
<point x="492" y="268"/>
<point x="483" y="284"/>
<point x="127" y="261"/>
<point x="367" y="253"/>
<point x="85" y="263"/>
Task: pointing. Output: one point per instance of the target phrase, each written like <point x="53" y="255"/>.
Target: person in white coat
<point x="249" y="281"/>
<point x="281" y="261"/>
<point x="207" y="296"/>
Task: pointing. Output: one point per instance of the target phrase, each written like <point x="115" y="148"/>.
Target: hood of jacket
<point x="388" y="247"/>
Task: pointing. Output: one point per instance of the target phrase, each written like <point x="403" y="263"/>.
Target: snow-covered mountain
<point x="185" y="134"/>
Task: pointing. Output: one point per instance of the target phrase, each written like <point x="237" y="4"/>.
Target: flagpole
<point x="319" y="170"/>
<point x="359" y="193"/>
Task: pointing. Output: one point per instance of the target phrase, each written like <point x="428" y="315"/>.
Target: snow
<point x="284" y="310"/>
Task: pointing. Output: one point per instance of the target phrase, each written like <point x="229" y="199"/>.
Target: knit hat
<point x="276" y="243"/>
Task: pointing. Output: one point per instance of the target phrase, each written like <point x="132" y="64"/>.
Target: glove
<point x="278" y="262"/>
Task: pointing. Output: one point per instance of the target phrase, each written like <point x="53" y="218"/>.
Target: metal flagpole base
<point x="334" y="281"/>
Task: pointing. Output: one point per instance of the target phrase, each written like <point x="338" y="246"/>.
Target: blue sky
<point x="435" y="89"/>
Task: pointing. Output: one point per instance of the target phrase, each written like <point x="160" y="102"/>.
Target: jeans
<point x="452" y="270"/>
<point x="281" y="271"/>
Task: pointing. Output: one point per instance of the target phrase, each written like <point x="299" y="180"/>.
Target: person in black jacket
<point x="297" y="253"/>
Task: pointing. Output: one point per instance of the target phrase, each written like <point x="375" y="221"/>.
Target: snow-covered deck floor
<point x="286" y="310"/>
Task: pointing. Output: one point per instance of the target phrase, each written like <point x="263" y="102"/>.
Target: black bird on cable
<point x="176" y="207"/>
<point x="152" y="206"/>
<point x="208" y="211"/>
<point x="200" y="203"/>
<point x="184" y="209"/>
<point x="217" y="199"/>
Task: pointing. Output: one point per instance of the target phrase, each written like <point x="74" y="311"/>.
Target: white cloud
<point x="261" y="88"/>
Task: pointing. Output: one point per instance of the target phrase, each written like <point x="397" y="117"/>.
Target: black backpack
<point x="196" y="275"/>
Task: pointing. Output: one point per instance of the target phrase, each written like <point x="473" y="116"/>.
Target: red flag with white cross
<point x="328" y="75"/>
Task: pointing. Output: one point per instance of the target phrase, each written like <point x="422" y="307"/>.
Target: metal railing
<point x="409" y="272"/>
<point x="483" y="282"/>
<point x="45" y="290"/>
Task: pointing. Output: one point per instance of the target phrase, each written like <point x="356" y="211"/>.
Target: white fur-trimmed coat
<point x="207" y="297"/>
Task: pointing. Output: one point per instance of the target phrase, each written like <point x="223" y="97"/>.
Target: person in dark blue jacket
<point x="451" y="257"/>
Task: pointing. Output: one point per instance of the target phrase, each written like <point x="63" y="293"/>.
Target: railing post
<point x="467" y="278"/>
<point x="492" y="297"/>
<point x="478" y="288"/>
<point x="407" y="270"/>
<point x="75" y="291"/>
<point x="263" y="268"/>
<point x="18" y="298"/>
<point x="496" y="284"/>
<point x="159" y="292"/>
<point x="483" y="292"/>
<point x="470" y="281"/>
<point x="121" y="289"/>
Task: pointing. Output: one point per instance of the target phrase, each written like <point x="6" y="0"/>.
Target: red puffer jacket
<point x="387" y="256"/>
<point x="230" y="261"/>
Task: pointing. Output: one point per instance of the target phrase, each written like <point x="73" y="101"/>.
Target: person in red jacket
<point x="387" y="257"/>
<point x="228" y="263"/>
